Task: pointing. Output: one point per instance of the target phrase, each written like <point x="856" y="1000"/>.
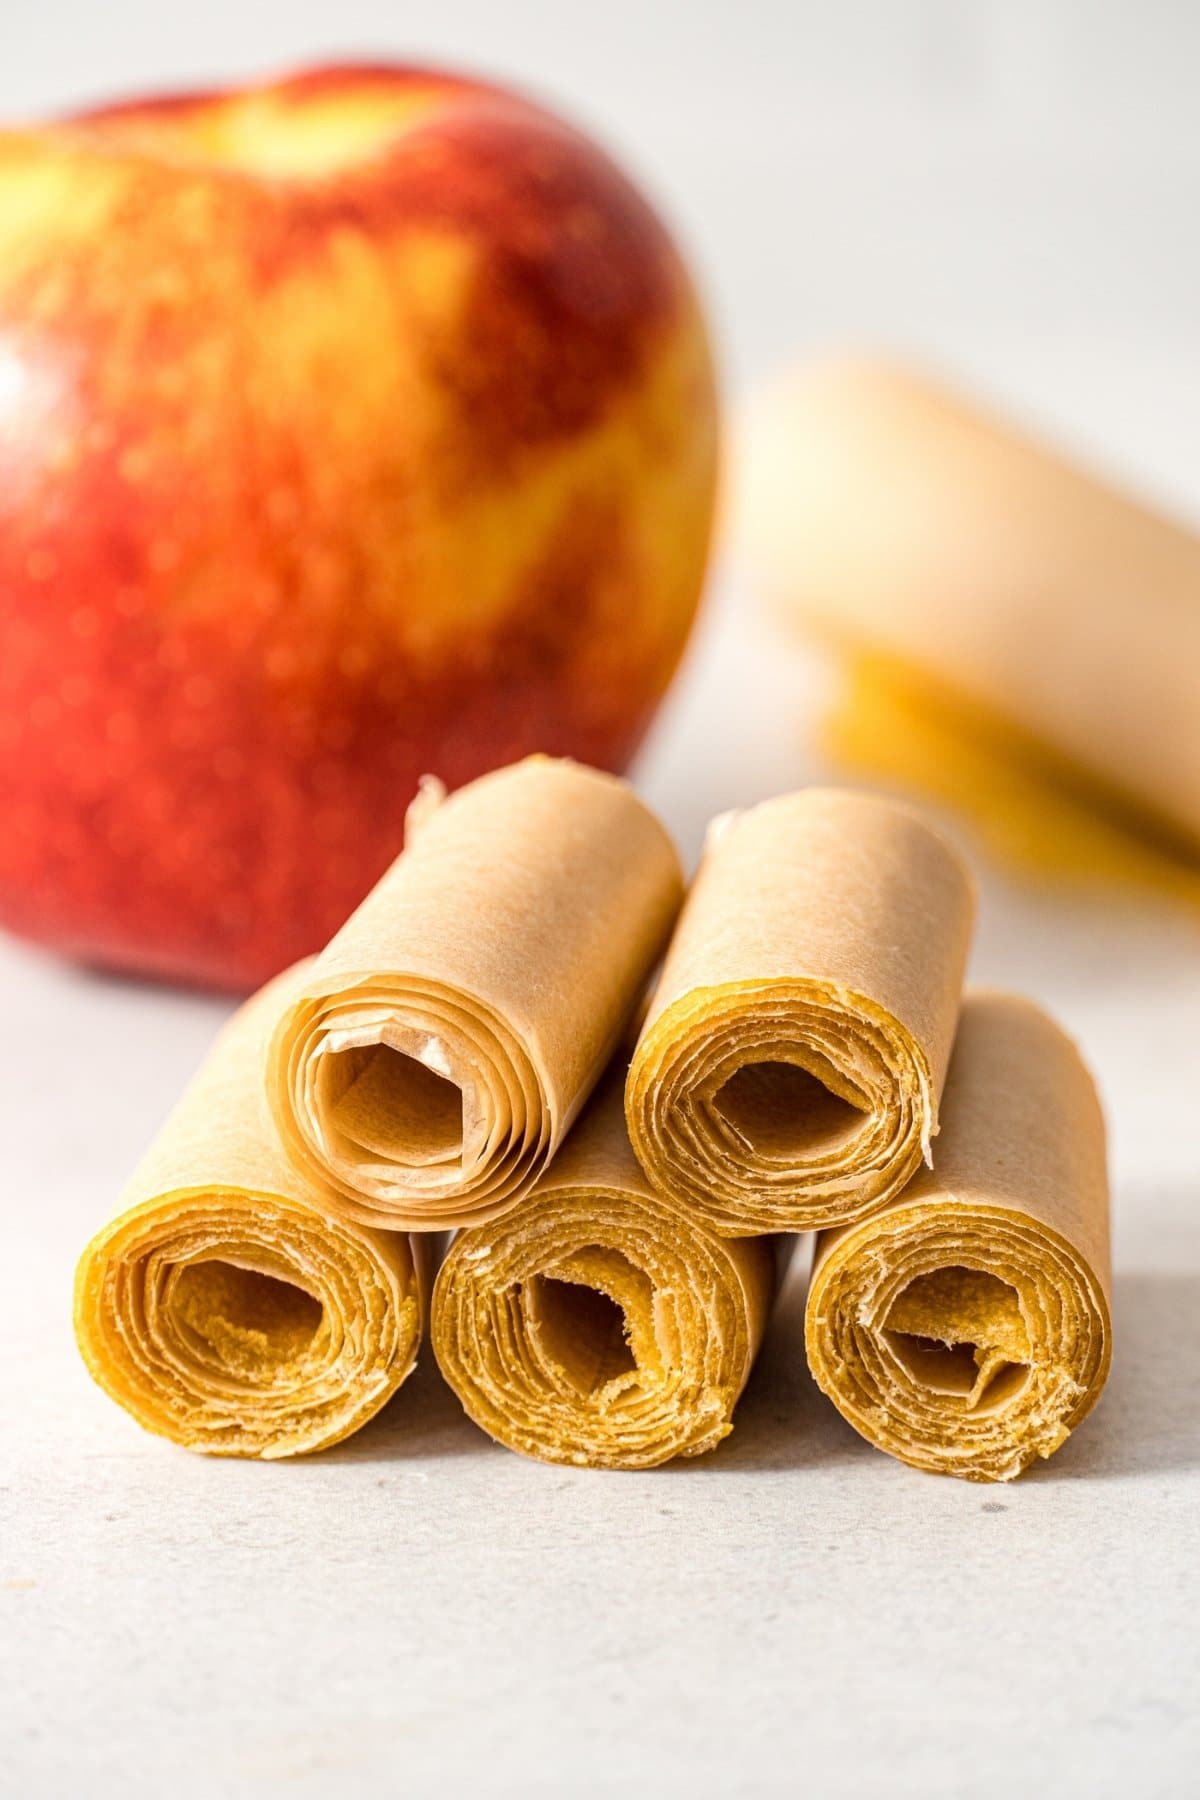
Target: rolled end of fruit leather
<point x="903" y="521"/>
<point x="789" y="1069"/>
<point x="443" y="1043"/>
<point x="966" y="1330"/>
<point x="222" y="1307"/>
<point x="595" y="1323"/>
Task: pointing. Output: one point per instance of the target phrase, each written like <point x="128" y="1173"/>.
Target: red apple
<point x="350" y="427"/>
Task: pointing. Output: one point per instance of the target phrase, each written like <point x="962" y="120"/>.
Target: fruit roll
<point x="789" y="1069"/>
<point x="445" y="1040"/>
<point x="903" y="522"/>
<point x="966" y="1330"/>
<point x="222" y="1307"/>
<point x="597" y="1323"/>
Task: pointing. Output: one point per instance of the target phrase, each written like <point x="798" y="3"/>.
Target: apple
<point x="351" y="427"/>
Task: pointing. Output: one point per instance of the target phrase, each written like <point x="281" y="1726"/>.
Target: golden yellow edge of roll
<point x="436" y="1055"/>
<point x="595" y="1324"/>
<point x="967" y="1329"/>
<point x="222" y="1307"/>
<point x="789" y="1069"/>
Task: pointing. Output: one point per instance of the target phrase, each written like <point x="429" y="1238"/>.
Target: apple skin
<point x="351" y="427"/>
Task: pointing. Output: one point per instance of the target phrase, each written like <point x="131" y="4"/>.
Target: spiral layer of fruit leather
<point x="221" y="1306"/>
<point x="446" y="1039"/>
<point x="789" y="1069"/>
<point x="596" y="1324"/>
<point x="966" y="1330"/>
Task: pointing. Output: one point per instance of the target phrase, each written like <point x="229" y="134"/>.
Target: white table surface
<point x="1013" y="186"/>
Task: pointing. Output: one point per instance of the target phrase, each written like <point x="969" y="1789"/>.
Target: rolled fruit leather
<point x="965" y="562"/>
<point x="966" y="1329"/>
<point x="443" y="1043"/>
<point x="597" y="1323"/>
<point x="790" y="1066"/>
<point x="222" y="1306"/>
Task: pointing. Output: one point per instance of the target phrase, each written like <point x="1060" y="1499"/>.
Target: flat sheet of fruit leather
<point x="596" y="1323"/>
<point x="789" y="1069"/>
<point x="446" y="1039"/>
<point x="222" y="1306"/>
<point x="904" y="522"/>
<point x="967" y="1328"/>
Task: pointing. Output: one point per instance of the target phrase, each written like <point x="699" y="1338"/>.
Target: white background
<point x="1013" y="188"/>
